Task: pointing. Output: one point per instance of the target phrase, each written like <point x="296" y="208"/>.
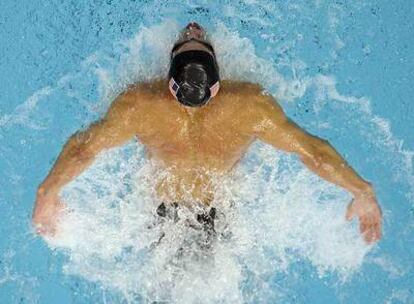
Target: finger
<point x="44" y="229"/>
<point x="369" y="220"/>
<point x="373" y="233"/>
<point x="370" y="235"/>
<point x="40" y="230"/>
<point x="377" y="232"/>
<point x="350" y="211"/>
<point x="363" y="227"/>
<point x="37" y="225"/>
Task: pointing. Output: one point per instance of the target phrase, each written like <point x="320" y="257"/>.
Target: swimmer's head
<point x="194" y="75"/>
<point x="193" y="30"/>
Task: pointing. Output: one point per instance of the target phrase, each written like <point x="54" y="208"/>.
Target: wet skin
<point x="196" y="144"/>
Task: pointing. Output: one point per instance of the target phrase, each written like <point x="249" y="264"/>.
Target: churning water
<point x="282" y="236"/>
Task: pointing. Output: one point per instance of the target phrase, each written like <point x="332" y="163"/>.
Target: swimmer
<point x="194" y="123"/>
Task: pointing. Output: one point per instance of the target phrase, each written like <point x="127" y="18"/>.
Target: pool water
<point x="341" y="70"/>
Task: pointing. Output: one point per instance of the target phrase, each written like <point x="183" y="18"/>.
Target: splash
<point x="272" y="211"/>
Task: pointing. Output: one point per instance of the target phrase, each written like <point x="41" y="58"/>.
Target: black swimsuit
<point x="206" y="219"/>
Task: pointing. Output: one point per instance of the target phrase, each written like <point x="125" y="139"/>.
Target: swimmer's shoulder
<point x="141" y="95"/>
<point x="252" y="103"/>
<point x="241" y="88"/>
<point x="247" y="94"/>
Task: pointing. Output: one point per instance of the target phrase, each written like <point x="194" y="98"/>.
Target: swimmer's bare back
<point x="194" y="143"/>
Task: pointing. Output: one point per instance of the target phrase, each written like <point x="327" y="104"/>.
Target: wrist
<point x="366" y="190"/>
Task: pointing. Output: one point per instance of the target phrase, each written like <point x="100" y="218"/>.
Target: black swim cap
<point x="194" y="72"/>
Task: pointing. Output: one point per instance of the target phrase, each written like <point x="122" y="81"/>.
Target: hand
<point x="365" y="206"/>
<point x="47" y="210"/>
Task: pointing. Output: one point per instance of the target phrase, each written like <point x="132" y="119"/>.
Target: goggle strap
<point x="214" y="89"/>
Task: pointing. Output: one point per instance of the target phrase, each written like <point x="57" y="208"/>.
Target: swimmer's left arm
<point x="320" y="157"/>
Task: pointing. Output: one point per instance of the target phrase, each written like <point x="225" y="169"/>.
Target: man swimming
<point x="196" y="125"/>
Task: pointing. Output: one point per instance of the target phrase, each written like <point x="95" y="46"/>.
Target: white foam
<point x="282" y="212"/>
<point x="387" y="264"/>
<point x="399" y="296"/>
<point x="22" y="113"/>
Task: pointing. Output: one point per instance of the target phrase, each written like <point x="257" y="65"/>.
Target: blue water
<point x="342" y="70"/>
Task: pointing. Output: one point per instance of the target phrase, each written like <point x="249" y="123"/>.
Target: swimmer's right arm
<point x="116" y="128"/>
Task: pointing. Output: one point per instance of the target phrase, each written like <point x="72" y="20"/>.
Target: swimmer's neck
<point x="191" y="112"/>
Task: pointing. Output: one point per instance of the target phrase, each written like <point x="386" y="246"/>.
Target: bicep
<point x="287" y="136"/>
<point x="276" y="129"/>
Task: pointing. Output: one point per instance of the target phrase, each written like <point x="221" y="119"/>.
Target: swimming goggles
<point x="174" y="88"/>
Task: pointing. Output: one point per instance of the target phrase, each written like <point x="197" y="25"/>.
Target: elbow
<point x="318" y="154"/>
<point x="316" y="159"/>
<point x="82" y="154"/>
<point x="79" y="152"/>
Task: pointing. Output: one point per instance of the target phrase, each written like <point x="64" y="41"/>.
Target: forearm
<point x="326" y="162"/>
<point x="72" y="161"/>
